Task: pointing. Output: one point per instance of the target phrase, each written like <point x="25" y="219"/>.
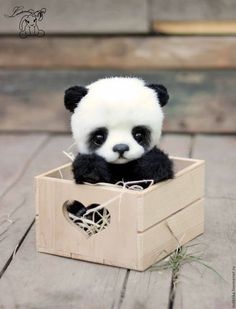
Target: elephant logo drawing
<point x="28" y="25"/>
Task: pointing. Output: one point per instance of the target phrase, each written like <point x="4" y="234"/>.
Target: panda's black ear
<point x="73" y="95"/>
<point x="161" y="92"/>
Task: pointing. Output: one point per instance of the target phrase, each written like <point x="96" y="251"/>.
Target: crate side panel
<point x="164" y="238"/>
<point x="171" y="196"/>
<point x="117" y="243"/>
<point x="45" y="216"/>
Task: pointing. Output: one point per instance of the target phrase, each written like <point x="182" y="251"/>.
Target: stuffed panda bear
<point x="116" y="123"/>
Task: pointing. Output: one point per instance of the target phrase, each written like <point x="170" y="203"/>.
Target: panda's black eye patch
<point x="142" y="135"/>
<point x="97" y="138"/>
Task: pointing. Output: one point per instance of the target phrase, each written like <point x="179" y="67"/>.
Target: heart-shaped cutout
<point x="91" y="219"/>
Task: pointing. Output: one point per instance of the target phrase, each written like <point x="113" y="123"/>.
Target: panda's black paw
<point x="90" y="168"/>
<point x="155" y="165"/>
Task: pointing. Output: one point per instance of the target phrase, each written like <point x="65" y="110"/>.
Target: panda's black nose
<point x="120" y="148"/>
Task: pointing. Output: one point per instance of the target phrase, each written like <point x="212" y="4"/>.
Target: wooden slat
<point x="192" y="10"/>
<point x="176" y="145"/>
<point x="79" y="16"/>
<point x="159" y="242"/>
<point x="220" y="155"/>
<point x="200" y="101"/>
<point x="18" y="201"/>
<point x="218" y="242"/>
<point x="176" y="195"/>
<point x="36" y="280"/>
<point x="151" y="289"/>
<point x="121" y="52"/>
<point x="16" y="152"/>
<point x="195" y="27"/>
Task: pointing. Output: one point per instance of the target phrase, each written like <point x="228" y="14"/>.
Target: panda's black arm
<point x="90" y="168"/>
<point x="154" y="165"/>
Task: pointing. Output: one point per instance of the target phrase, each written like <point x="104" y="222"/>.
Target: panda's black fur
<point x="154" y="165"/>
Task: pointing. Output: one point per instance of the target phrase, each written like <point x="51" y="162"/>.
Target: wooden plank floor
<point x="34" y="280"/>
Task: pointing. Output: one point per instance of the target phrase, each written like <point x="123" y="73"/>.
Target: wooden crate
<point x="145" y="226"/>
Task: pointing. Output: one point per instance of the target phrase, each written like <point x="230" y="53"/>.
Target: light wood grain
<point x="55" y="233"/>
<point x="36" y="280"/>
<point x="172" y="196"/>
<point x="222" y="27"/>
<point x="218" y="241"/>
<point x="16" y="153"/>
<point x="135" y="217"/>
<point x="18" y="201"/>
<point x="159" y="241"/>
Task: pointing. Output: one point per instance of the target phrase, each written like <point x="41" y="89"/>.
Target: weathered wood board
<point x="31" y="155"/>
<point x="111" y="16"/>
<point x="204" y="288"/>
<point x="200" y="101"/>
<point x="79" y="16"/>
<point x="177" y="145"/>
<point x="119" y="52"/>
<point x="173" y="10"/>
<point x="16" y="153"/>
<point x="53" y="281"/>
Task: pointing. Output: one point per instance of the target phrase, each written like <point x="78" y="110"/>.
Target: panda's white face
<point x="119" y="119"/>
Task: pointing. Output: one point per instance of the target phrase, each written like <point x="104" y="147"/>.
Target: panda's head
<point x="118" y="118"/>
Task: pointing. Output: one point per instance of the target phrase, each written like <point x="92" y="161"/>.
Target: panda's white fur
<point x="119" y="104"/>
